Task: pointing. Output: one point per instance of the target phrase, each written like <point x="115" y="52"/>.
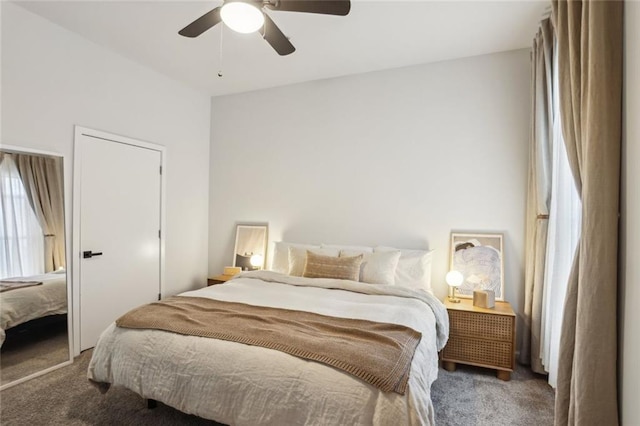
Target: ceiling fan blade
<point x="202" y="24"/>
<point x="326" y="7"/>
<point x="275" y="37"/>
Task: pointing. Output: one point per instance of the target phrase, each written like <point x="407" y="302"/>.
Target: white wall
<point x="399" y="157"/>
<point x="630" y="224"/>
<point x="53" y="79"/>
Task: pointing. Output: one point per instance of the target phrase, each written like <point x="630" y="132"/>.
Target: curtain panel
<point x="590" y="81"/>
<point x="21" y="239"/>
<point x="538" y="193"/>
<point x="42" y="178"/>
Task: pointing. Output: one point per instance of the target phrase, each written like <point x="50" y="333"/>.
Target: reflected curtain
<point x="539" y="192"/>
<point x="42" y="178"/>
<point x="21" y="240"/>
<point x="250" y="240"/>
<point x="590" y="81"/>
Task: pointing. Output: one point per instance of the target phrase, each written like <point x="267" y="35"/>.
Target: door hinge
<point x="159" y="233"/>
<point x="159" y="296"/>
<point x="160" y="169"/>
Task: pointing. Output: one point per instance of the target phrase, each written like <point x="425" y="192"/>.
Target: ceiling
<point x="375" y="35"/>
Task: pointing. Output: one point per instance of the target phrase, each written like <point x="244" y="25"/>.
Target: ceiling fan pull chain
<point x="221" y="32"/>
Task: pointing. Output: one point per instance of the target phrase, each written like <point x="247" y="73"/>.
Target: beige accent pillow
<point x="341" y="268"/>
<point x="298" y="258"/>
<point x="377" y="268"/>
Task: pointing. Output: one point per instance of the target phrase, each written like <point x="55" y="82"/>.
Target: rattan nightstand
<point x="482" y="337"/>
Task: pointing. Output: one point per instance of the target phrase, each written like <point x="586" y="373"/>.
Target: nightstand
<point x="218" y="279"/>
<point x="481" y="337"/>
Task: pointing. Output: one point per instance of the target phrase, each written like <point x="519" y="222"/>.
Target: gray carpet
<point x="465" y="397"/>
<point x="472" y="396"/>
<point x="36" y="354"/>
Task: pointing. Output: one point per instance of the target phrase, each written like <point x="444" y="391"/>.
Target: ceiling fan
<point x="247" y="16"/>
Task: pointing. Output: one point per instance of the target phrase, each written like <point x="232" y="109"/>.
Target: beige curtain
<point x="590" y="66"/>
<point x="539" y="192"/>
<point x="42" y="179"/>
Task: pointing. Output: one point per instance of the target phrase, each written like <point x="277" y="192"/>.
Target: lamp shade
<point x="256" y="260"/>
<point x="454" y="278"/>
<point x="242" y="17"/>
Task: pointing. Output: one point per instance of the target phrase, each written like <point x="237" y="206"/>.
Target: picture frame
<point x="250" y="250"/>
<point x="480" y="259"/>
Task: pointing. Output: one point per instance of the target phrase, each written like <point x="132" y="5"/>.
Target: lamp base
<point x="452" y="295"/>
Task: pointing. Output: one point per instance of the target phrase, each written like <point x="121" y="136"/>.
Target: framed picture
<point x="479" y="258"/>
<point x="250" y="250"/>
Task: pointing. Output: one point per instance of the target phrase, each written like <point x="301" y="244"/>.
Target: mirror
<point x="34" y="330"/>
<point x="251" y="247"/>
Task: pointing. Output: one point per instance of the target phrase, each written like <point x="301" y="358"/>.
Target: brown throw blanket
<point x="377" y="353"/>
<point x="6" y="285"/>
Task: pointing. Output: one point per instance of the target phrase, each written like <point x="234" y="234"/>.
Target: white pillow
<point x="352" y="249"/>
<point x="280" y="262"/>
<point x="414" y="268"/>
<point x="376" y="268"/>
<point x="298" y="258"/>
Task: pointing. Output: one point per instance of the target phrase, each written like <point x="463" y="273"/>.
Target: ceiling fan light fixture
<point x="242" y="17"/>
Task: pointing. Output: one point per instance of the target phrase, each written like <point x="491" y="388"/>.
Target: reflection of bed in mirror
<point x="34" y="331"/>
<point x="33" y="297"/>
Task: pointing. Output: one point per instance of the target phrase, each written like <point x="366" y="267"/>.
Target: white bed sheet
<point x="25" y="304"/>
<point x="240" y="384"/>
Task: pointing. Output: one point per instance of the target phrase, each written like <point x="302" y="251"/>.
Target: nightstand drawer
<point x="218" y="279"/>
<point x="482" y="326"/>
<point x="494" y="354"/>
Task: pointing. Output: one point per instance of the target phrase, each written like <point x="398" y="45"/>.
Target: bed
<point x="239" y="384"/>
<point x="20" y="305"/>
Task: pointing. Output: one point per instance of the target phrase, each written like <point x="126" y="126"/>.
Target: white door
<point x="120" y="196"/>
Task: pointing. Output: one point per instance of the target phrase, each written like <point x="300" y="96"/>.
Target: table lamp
<point x="257" y="260"/>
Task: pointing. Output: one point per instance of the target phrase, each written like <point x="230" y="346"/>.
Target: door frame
<point x="80" y="132"/>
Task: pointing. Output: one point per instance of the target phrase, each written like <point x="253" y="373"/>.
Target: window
<point x="562" y="238"/>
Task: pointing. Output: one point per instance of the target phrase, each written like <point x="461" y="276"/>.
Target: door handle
<point x="89" y="254"/>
